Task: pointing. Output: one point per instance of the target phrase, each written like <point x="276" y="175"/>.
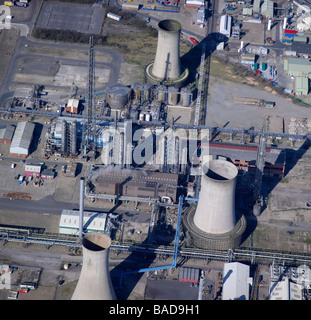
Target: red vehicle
<point x="195" y="41"/>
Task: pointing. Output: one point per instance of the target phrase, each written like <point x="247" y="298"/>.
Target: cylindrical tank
<point x="162" y="93"/>
<point x="147" y="91"/>
<point x="215" y="213"/>
<point x="73" y="138"/>
<point x="148" y="117"/>
<point x="173" y="96"/>
<point x="94" y="282"/>
<point x="136" y="87"/>
<point x="117" y="96"/>
<point x="167" y="60"/>
<point x="142" y="117"/>
<point x="185" y="97"/>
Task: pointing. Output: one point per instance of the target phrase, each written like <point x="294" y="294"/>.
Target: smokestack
<point x="81" y="209"/>
<point x="216" y="207"/>
<point x="167" y="60"/>
<point x="94" y="282"/>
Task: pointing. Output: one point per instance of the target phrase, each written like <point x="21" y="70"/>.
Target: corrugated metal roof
<point x="23" y="136"/>
<point x="6" y="132"/>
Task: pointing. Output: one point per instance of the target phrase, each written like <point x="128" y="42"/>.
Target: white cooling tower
<point x="216" y="207"/>
<point x="214" y="223"/>
<point x="94" y="282"/>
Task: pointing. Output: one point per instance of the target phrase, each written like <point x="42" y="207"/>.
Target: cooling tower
<point x="166" y="68"/>
<point x="214" y="223"/>
<point x="167" y="60"/>
<point x="94" y="282"/>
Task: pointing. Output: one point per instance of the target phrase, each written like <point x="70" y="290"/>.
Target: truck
<point x="21" y="3"/>
<point x="21" y="179"/>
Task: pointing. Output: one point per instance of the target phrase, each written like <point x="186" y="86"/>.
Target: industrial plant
<point x="187" y="169"/>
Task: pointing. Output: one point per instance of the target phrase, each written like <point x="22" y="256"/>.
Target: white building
<point x="285" y="290"/>
<point x="92" y="221"/>
<point x="225" y="25"/>
<point x="236" y="281"/>
<point x="22" y="139"/>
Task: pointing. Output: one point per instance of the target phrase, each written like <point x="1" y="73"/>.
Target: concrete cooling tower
<point x="214" y="223"/>
<point x="166" y="68"/>
<point x="94" y="282"/>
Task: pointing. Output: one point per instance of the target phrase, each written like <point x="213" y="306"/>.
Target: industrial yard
<point x="172" y="139"/>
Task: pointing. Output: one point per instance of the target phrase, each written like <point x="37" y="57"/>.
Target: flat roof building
<point x="22" y="139"/>
<point x="32" y="169"/>
<point x="236" y="281"/>
<point x="92" y="221"/>
<point x="225" y="25"/>
<point x="267" y="9"/>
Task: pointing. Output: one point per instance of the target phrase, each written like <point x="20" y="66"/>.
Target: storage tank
<point x="94" y="282"/>
<point x="136" y="87"/>
<point x="173" y="94"/>
<point x="117" y="96"/>
<point x="185" y="97"/>
<point x="162" y="93"/>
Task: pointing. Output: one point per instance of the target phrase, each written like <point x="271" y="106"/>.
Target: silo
<point x="173" y="96"/>
<point x="214" y="224"/>
<point x="94" y="282"/>
<point x="185" y="97"/>
<point x="136" y="87"/>
<point x="147" y="91"/>
<point x="162" y="93"/>
<point x="167" y="60"/>
<point x="73" y="138"/>
<point x="117" y="96"/>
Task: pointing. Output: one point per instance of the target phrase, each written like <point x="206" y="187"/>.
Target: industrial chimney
<point x="94" y="282"/>
<point x="81" y="207"/>
<point x="214" y="223"/>
<point x="166" y="68"/>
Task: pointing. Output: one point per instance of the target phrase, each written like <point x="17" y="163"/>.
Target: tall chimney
<point x="94" y="282"/>
<point x="81" y="209"/>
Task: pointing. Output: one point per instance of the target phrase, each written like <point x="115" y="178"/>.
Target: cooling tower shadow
<point x="125" y="276"/>
<point x="292" y="158"/>
<point x="192" y="58"/>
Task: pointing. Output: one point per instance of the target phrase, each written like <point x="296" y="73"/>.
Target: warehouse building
<point x="297" y="67"/>
<point x="22" y="139"/>
<point x="6" y="134"/>
<point x="73" y="106"/>
<point x="135" y="183"/>
<point x="92" y="221"/>
<point x="236" y="281"/>
<point x="244" y="158"/>
<point x="225" y="25"/>
<point x="302" y="86"/>
<point x="267" y="9"/>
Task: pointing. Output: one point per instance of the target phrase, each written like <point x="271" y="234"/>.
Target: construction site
<point x="175" y="193"/>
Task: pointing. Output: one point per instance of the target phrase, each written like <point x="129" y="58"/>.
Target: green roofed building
<point x="301" y="86"/>
<point x="297" y="67"/>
